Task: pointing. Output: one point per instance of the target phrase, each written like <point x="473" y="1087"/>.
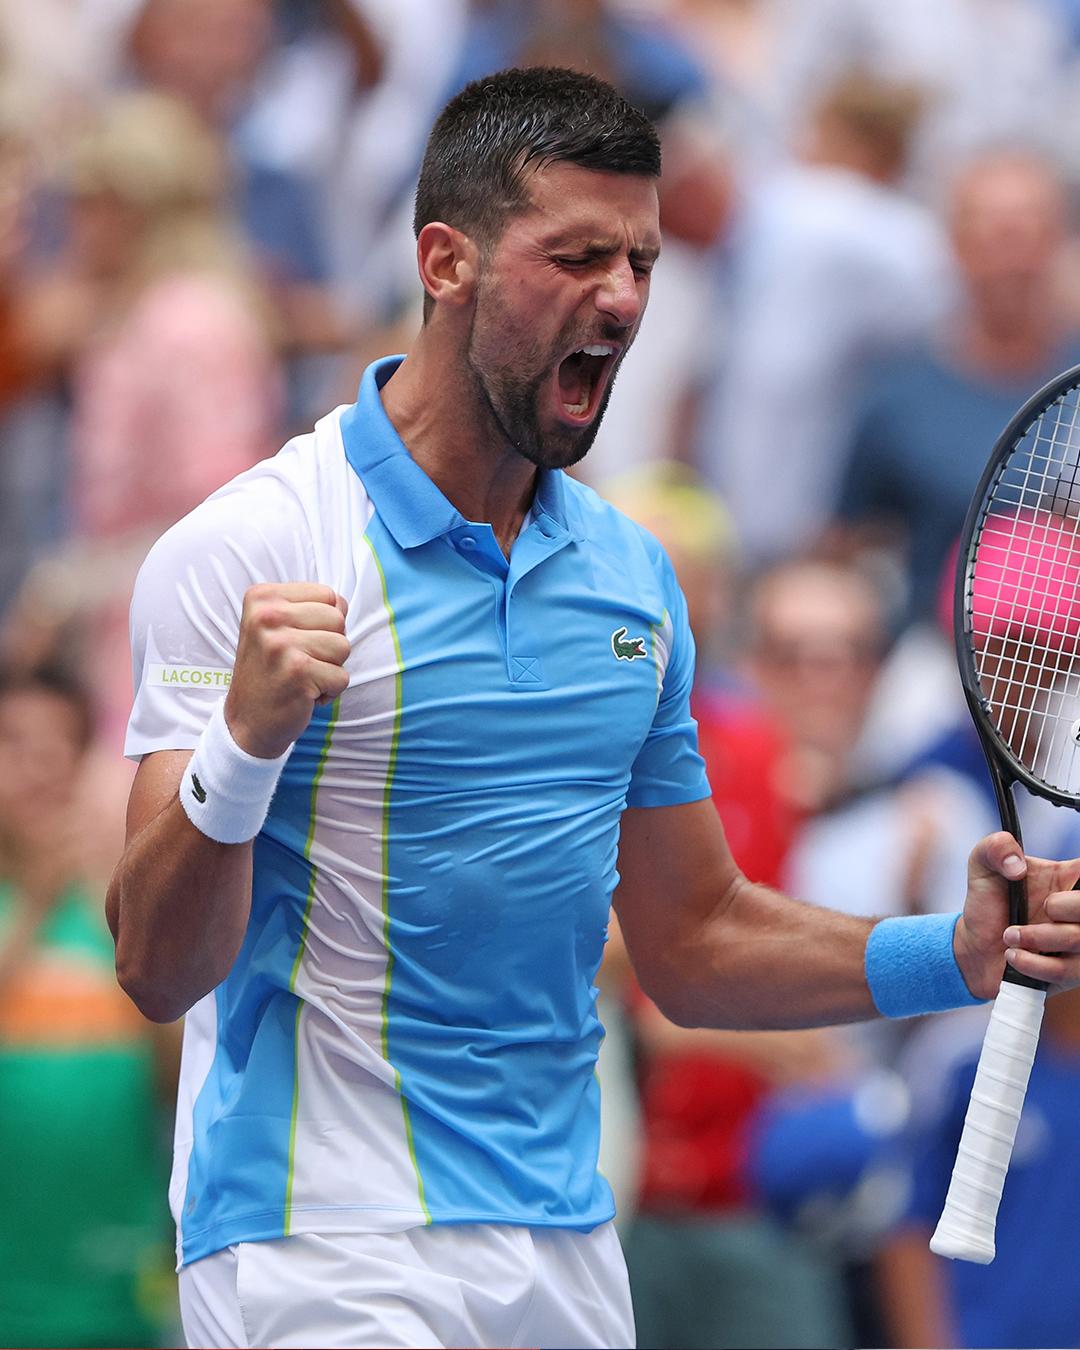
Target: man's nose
<point x="622" y="294"/>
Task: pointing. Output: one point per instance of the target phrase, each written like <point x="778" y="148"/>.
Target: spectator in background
<point x="832" y="264"/>
<point x="814" y="639"/>
<point x="824" y="1154"/>
<point x="61" y="55"/>
<point x="31" y="472"/>
<point x="642" y="54"/>
<point x="931" y="414"/>
<point x="344" y="103"/>
<point x="736" y="42"/>
<point x="208" y="54"/>
<point x="84" y="1238"/>
<point x="1029" y="1296"/>
<point x="156" y="317"/>
<point x="211" y="56"/>
<point x="992" y="70"/>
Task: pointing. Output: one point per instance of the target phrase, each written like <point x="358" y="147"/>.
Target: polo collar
<point x="409" y="504"/>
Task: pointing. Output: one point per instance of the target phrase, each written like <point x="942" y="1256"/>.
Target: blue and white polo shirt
<point x="409" y="1033"/>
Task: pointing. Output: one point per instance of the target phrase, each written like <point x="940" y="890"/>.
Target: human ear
<point x="447" y="262"/>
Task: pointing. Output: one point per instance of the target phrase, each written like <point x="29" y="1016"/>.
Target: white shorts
<point x="448" y="1285"/>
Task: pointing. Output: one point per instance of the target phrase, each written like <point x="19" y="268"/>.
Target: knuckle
<point x="276" y="645"/>
<point x="256" y="592"/>
<point x="274" y="612"/>
<point x="259" y="596"/>
<point x="295" y="662"/>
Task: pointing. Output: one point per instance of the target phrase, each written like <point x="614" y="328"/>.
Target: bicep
<point x="675" y="875"/>
<point x="155" y="786"/>
<point x="153" y="789"/>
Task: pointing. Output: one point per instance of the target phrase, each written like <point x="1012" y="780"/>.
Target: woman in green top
<point x="83" y="1232"/>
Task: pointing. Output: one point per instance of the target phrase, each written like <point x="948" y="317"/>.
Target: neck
<point x="452" y="435"/>
<point x="1006" y="341"/>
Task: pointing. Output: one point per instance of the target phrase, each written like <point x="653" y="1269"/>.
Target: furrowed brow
<point x="572" y="241"/>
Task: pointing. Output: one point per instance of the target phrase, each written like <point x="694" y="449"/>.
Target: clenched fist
<point x="290" y="657"/>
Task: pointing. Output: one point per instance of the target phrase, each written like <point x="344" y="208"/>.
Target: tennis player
<point x="407" y="694"/>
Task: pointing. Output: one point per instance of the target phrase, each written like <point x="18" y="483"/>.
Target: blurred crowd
<point x="871" y="258"/>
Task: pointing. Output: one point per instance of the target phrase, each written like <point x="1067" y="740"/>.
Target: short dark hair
<point x="472" y="176"/>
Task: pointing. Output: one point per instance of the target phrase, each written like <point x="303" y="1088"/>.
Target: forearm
<point x="178" y="906"/>
<point x="761" y="960"/>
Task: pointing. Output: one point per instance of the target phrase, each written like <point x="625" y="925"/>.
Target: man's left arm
<point x="714" y="949"/>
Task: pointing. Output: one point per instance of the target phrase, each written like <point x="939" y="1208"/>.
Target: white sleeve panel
<point x="185" y="612"/>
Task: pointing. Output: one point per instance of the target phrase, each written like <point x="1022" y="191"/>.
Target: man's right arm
<point x="179" y="900"/>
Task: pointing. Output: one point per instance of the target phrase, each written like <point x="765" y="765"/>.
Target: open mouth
<point x="581" y="380"/>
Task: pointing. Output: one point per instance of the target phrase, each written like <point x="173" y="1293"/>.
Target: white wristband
<point x="225" y="792"/>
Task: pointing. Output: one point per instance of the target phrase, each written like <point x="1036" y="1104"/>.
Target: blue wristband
<point x="911" y="969"/>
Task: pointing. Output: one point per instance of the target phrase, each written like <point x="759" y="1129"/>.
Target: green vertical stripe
<point x="654" y="628"/>
<point x="335" y="709"/>
<point x="390" y="767"/>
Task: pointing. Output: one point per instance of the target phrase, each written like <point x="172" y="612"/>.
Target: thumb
<point x="997" y="855"/>
<point x="993" y="861"/>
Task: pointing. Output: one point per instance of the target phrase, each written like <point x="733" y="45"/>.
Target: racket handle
<point x="965" y="1230"/>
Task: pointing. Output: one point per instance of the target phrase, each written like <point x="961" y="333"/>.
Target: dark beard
<point x="512" y="403"/>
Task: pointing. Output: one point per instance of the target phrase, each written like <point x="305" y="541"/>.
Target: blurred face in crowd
<point x="815" y="651"/>
<point x="206" y="52"/>
<point x="1008" y="225"/>
<point x="41" y="746"/>
<point x="559" y="299"/>
<point x="104" y="232"/>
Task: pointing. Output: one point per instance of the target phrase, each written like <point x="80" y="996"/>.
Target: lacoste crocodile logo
<point x="197" y="789"/>
<point x="626" y="649"/>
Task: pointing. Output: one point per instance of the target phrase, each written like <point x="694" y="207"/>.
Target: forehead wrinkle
<point x="592" y="239"/>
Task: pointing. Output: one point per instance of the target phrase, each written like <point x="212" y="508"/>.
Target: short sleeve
<point x="187" y="603"/>
<point x="669" y="770"/>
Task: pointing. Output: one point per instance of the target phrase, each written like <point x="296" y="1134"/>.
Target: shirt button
<point x="467" y="541"/>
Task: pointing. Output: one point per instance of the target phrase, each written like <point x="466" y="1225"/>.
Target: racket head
<point x="1017" y="600"/>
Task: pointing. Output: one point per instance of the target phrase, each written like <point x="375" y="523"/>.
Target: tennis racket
<point x="1017" y="628"/>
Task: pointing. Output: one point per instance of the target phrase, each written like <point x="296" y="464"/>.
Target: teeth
<point x="596" y="349"/>
<point x="577" y="408"/>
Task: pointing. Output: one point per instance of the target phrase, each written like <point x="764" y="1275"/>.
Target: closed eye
<point x="641" y="267"/>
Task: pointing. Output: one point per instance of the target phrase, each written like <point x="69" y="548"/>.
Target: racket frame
<point x="1004" y="767"/>
<point x="965" y="1230"/>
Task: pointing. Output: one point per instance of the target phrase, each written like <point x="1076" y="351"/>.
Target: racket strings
<point x="1023" y="597"/>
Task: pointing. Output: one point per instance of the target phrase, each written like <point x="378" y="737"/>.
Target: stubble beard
<point x="512" y="400"/>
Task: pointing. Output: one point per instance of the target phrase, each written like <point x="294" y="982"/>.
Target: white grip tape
<point x="965" y="1231"/>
